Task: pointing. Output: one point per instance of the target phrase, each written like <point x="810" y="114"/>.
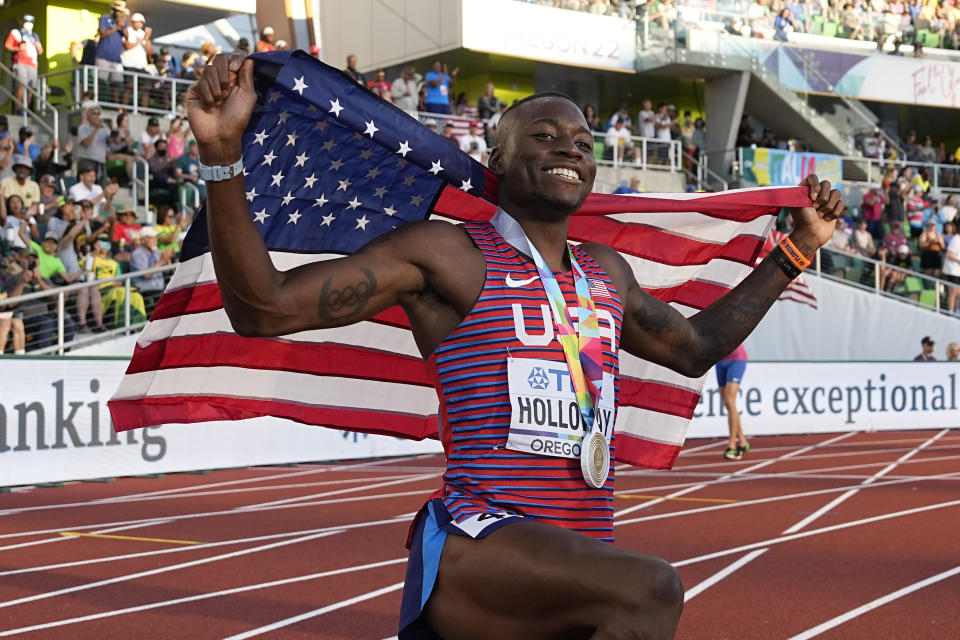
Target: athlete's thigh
<point x="533" y="580"/>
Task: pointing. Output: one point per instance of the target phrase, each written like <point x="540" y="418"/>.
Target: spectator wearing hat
<point x="45" y="162"/>
<point x="243" y="45"/>
<point x="137" y="49"/>
<point x="28" y="143"/>
<point x="113" y="293"/>
<point x="49" y="265"/>
<point x="76" y="255"/>
<point x="126" y="231"/>
<point x="110" y="47"/>
<point x="149" y="137"/>
<point x="900" y="258"/>
<point x="266" y="40"/>
<point x="474" y="144"/>
<point x="93" y="138"/>
<point x="63" y="212"/>
<point x="88" y="189"/>
<point x="25" y="47"/>
<point x="144" y="257"/>
<point x="170" y="61"/>
<point x="926" y="350"/>
<point x="48" y="193"/>
<point x="22" y="183"/>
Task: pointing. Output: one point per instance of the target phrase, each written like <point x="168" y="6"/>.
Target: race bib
<point x="544" y="417"/>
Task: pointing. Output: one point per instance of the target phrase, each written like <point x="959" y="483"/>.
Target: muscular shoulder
<point x="612" y="262"/>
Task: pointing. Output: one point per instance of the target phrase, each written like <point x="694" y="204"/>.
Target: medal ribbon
<point x="583" y="352"/>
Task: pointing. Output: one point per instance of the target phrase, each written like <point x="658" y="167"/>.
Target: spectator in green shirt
<point x="48" y="262"/>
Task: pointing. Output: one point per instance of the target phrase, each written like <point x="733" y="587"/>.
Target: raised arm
<point x="655" y="331"/>
<point x="259" y="299"/>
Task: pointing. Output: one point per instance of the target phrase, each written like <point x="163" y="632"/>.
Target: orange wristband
<point x="791" y="251"/>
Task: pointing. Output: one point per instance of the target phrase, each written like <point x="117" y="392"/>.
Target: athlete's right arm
<point x="259" y="299"/>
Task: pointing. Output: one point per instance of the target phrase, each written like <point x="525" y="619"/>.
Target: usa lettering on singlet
<point x="484" y="372"/>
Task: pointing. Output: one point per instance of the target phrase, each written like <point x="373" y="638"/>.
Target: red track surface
<point x="773" y="546"/>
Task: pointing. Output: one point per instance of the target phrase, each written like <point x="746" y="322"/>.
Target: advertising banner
<point x="776" y="167"/>
<point x="809" y="397"/>
<point x="867" y="76"/>
<point x="54" y="426"/>
<point x="530" y="31"/>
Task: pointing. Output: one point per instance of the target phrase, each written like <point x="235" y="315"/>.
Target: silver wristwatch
<point x="219" y="173"/>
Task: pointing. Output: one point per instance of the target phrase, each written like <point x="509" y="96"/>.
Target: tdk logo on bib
<point x="538" y="379"/>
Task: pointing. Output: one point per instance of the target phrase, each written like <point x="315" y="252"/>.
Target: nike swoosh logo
<point x="519" y="283"/>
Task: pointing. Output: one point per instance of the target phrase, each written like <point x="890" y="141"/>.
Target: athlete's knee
<point x="649" y="601"/>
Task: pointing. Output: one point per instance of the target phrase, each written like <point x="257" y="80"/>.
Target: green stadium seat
<point x="912" y="287"/>
<point x="932" y="40"/>
<point x="928" y="297"/>
<point x="921" y="36"/>
<point x="598" y="149"/>
<point x="831" y="28"/>
<point x="816" y="27"/>
<point x="854" y="273"/>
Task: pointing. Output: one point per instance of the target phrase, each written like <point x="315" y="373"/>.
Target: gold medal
<point x="595" y="459"/>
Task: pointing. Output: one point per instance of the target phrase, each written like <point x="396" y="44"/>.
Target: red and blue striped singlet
<point x="471" y="366"/>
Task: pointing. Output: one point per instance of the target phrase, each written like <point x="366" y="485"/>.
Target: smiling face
<point x="544" y="158"/>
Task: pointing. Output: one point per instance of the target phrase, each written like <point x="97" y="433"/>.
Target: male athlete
<point x="513" y="544"/>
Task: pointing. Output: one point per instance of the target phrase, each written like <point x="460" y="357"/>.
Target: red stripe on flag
<point x="662" y="398"/>
<point x="187" y="300"/>
<point x="318" y="358"/>
<point x="145" y="412"/>
<point x="695" y="293"/>
<point x="646" y="453"/>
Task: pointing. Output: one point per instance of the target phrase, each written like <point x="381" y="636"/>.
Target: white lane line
<point x="207" y="545"/>
<point x="789" y="496"/>
<point x="814" y="532"/>
<point x="168" y="519"/>
<point x="376" y="485"/>
<point x="693" y="592"/>
<point x="60" y="538"/>
<point x="741" y="472"/>
<point x="173" y="567"/>
<point x="202" y="596"/>
<point x="852" y="492"/>
<point x="879" y="602"/>
<point x="195" y="494"/>
<point x="316" y="612"/>
<point x="710" y="445"/>
<point x="814" y="516"/>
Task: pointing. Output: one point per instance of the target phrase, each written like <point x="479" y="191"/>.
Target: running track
<point x="853" y="536"/>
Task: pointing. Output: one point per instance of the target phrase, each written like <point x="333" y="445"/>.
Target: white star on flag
<point x="283" y="117"/>
<point x="274" y="96"/>
<point x="299" y="85"/>
<point x="277" y="179"/>
<point x="302" y="159"/>
<point x="371" y="128"/>
<point x="296" y="215"/>
<point x="362" y="223"/>
<point x="409" y="180"/>
<point x="436" y="168"/>
<point x="309" y="182"/>
<point x="287" y="199"/>
<point x="366" y="153"/>
<point x="261" y="216"/>
<point x="260" y="137"/>
<point x="329" y="145"/>
<point x="380" y="192"/>
<point x="373" y="173"/>
<point x="389" y="211"/>
<point x="416" y="200"/>
<point x="322" y="200"/>
<point x="328" y="220"/>
<point x="252" y="194"/>
<point x="335" y="107"/>
<point x="292" y="139"/>
<point x="404" y="148"/>
<point x="269" y="158"/>
<point x="336" y="164"/>
<point x="353" y="204"/>
<point x="344" y="185"/>
<point x="321" y="125"/>
<point x="466" y="186"/>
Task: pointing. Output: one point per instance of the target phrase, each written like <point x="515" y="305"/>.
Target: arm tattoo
<point x="340" y="305"/>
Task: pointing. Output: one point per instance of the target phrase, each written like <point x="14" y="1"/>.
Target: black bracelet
<point x="785" y="263"/>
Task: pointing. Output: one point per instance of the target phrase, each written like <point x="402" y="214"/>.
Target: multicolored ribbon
<point x="584" y="353"/>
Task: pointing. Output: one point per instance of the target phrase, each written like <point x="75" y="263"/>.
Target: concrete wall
<point x="382" y="33"/>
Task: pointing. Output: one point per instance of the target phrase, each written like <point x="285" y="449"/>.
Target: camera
<point x="31" y="265"/>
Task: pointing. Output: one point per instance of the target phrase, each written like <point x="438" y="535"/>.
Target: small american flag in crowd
<point x="329" y="166"/>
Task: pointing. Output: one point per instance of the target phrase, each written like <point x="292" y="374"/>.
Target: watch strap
<point x="218" y="173"/>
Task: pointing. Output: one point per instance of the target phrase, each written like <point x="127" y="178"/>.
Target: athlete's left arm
<point x="655" y="331"/>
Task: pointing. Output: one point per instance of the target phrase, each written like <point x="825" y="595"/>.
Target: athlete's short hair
<point x="506" y="124"/>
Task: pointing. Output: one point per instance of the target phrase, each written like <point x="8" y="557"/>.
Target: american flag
<point x="329" y="167"/>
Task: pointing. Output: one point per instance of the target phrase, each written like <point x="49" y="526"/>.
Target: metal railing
<point x="36" y="96"/>
<point x="641" y="153"/>
<point x="137" y="92"/>
<point x="60" y="305"/>
<point x="701" y="175"/>
<point x="888" y="280"/>
<point x="137" y="185"/>
<point x="185" y="187"/>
